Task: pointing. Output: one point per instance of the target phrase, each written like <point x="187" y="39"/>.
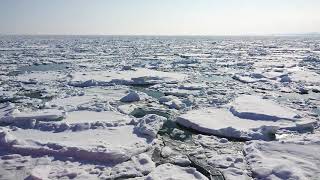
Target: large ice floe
<point x="116" y="144"/>
<point x="247" y="117"/>
<point x="137" y="77"/>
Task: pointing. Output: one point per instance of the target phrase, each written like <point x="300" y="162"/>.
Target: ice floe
<point x="248" y="117"/>
<point x="116" y="144"/>
<point x="136" y="77"/>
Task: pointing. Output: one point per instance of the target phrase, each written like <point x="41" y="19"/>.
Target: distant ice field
<point x="167" y="107"/>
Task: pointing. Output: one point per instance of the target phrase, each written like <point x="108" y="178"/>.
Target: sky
<point x="159" y="17"/>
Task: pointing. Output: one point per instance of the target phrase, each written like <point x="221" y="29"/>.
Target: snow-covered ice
<point x="169" y="171"/>
<point x="276" y="160"/>
<point x="257" y="108"/>
<point x="116" y="144"/>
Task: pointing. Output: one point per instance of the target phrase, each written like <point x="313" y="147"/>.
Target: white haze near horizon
<point x="159" y="17"/>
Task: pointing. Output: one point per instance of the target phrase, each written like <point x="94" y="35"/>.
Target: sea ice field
<point x="156" y="108"/>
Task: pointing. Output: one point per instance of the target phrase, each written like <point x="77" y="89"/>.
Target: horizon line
<point x="165" y="35"/>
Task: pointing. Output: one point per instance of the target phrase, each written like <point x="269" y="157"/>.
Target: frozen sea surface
<point x="122" y="107"/>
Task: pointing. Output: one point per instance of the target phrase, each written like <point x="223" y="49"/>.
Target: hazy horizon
<point x="159" y="18"/>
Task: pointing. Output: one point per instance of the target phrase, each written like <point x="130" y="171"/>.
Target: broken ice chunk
<point x="150" y="124"/>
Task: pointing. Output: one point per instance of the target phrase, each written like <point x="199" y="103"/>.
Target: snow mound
<point x="116" y="145"/>
<point x="275" y="160"/>
<point x="130" y="77"/>
<point x="150" y="124"/>
<point x="170" y="171"/>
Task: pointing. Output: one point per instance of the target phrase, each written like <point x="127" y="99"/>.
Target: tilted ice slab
<point x="275" y="160"/>
<point x="107" y="145"/>
<point x="170" y="171"/>
<point x="139" y="76"/>
<point x="257" y="108"/>
<point x="249" y="117"/>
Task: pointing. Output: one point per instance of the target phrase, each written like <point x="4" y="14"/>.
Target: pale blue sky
<point x="159" y="17"/>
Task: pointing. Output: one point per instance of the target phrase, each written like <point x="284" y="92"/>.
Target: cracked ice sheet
<point x="107" y="145"/>
<point x="275" y="160"/>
